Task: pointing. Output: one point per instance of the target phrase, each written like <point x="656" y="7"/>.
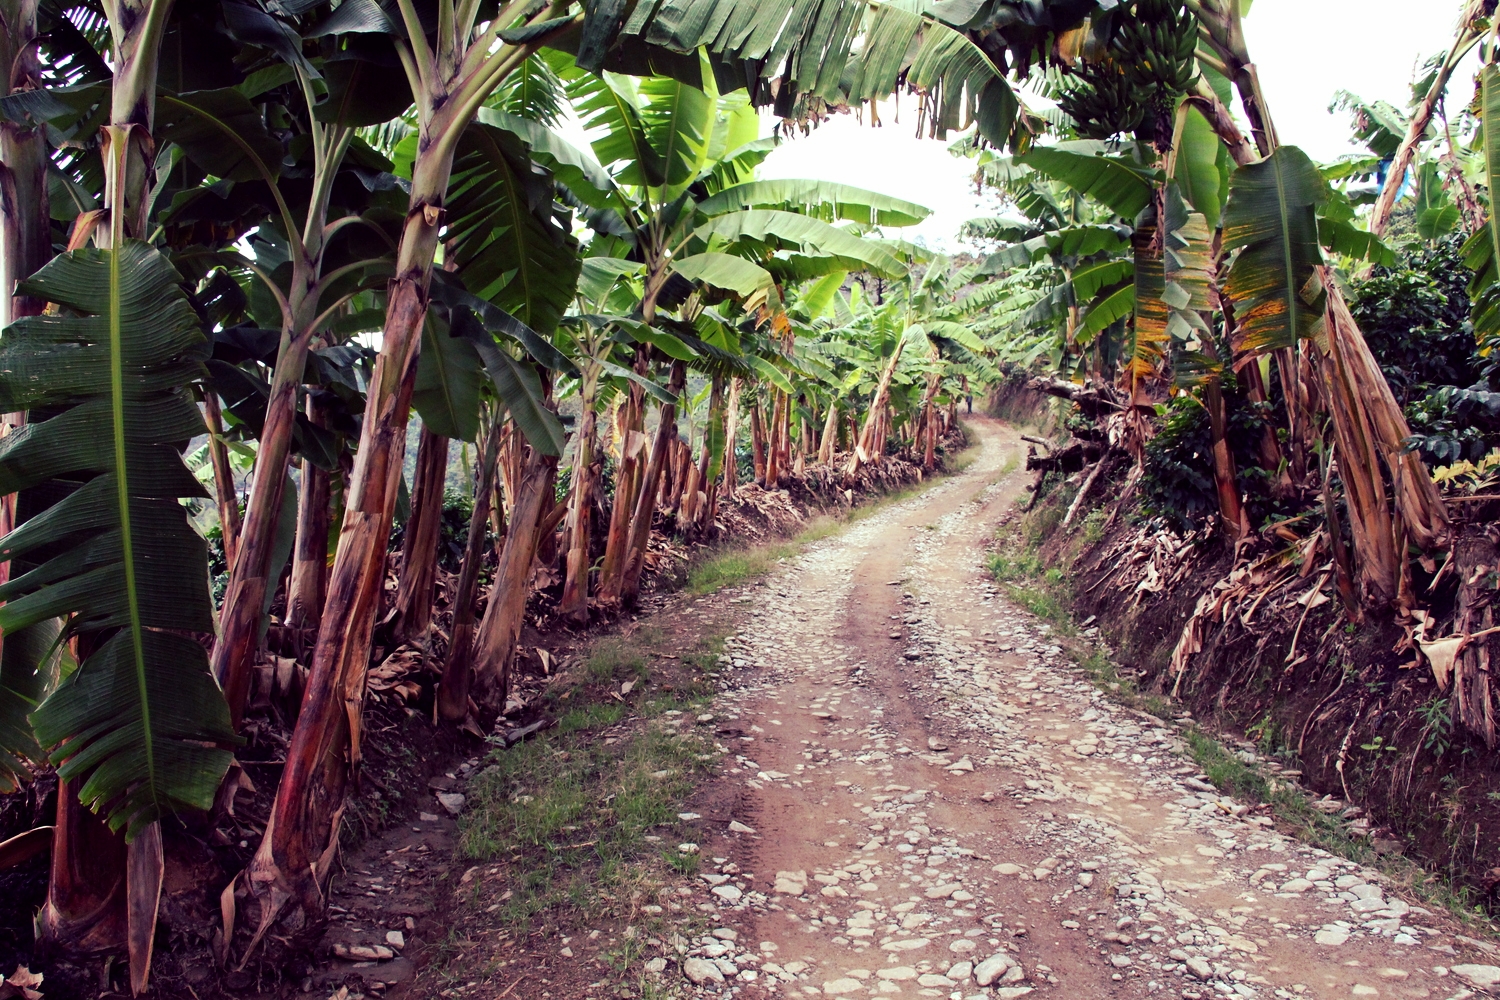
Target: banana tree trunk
<point x="757" y="443"/>
<point x="575" y="595"/>
<point x="25" y="223"/>
<point x="310" y="553"/>
<point x="645" y="505"/>
<point x="453" y="693"/>
<point x="1231" y="510"/>
<point x="627" y="479"/>
<point x="309" y="800"/>
<point x="423" y="531"/>
<point x="830" y="434"/>
<point x="731" y="431"/>
<point x="85" y="908"/>
<point x="224" y="494"/>
<point x="864" y="447"/>
<point x="495" y="648"/>
<point x="929" y="425"/>
<point x="773" y="442"/>
<point x="1368" y="423"/>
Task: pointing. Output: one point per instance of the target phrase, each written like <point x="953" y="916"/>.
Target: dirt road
<point x="924" y="798"/>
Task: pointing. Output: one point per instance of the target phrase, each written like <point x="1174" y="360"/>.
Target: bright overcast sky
<point x="1305" y="50"/>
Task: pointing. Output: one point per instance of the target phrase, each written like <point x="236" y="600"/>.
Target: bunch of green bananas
<point x="1101" y="100"/>
<point x="1154" y="45"/>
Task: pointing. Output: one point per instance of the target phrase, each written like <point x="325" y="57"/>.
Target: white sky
<point x="1305" y="51"/>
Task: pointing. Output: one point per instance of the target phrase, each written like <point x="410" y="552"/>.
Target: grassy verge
<point x="1047" y="593"/>
<point x="582" y="820"/>
<point x="1294" y="814"/>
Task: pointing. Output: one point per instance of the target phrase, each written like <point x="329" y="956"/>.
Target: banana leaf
<point x="140" y="725"/>
<point x="1272" y="220"/>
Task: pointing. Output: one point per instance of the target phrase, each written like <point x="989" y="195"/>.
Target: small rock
<point x="1297" y="885"/>
<point x="961" y="971"/>
<point x="1331" y="935"/>
<point x="451" y="801"/>
<point x="363" y="952"/>
<point x="1006" y="868"/>
<point x="900" y="973"/>
<point x="700" y="971"/>
<point x="992" y="968"/>
<point x="1200" y="968"/>
<point x="735" y="826"/>
<point x="1012" y="992"/>
<point x="1120" y="961"/>
<point x="1478" y="975"/>
<point x="834" y="987"/>
<point x="656" y="966"/>
<point x="395" y="939"/>
<point x="936" y="745"/>
<point x="728" y="893"/>
<point x="942" y="891"/>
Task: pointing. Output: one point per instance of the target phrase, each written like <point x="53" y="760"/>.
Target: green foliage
<point x="1415" y="317"/>
<point x="105" y="542"/>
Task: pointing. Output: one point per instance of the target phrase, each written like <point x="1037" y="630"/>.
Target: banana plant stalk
<point x="449" y="84"/>
<point x="309" y="579"/>
<point x="458" y="668"/>
<point x="301" y="317"/>
<point x="872" y="436"/>
<point x="495" y="647"/>
<point x="645" y="500"/>
<point x="1368" y="423"/>
<point x="1471" y="29"/>
<point x="575" y="595"/>
<point x="423" y="528"/>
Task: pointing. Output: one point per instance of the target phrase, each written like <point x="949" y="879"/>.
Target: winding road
<point x="923" y="797"/>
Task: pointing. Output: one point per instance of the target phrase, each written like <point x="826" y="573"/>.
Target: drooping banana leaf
<point x="750" y="282"/>
<point x="30" y="665"/>
<point x="449" y="375"/>
<point x="104" y="538"/>
<point x="1436" y="213"/>
<point x="1271" y="218"/>
<point x="787" y="230"/>
<point x="826" y="200"/>
<point x="1202" y="167"/>
<point x="1119" y="185"/>
<point x="510" y="246"/>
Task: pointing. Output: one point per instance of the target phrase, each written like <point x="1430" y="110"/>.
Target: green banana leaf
<point x="30" y="667"/>
<point x="1202" y="167"/>
<point x="140" y="724"/>
<point x="752" y="283"/>
<point x="449" y="376"/>
<point x="510" y="246"/>
<point x="1116" y="183"/>
<point x="1271" y="218"/>
<point x="826" y="200"/>
<point x="787" y="230"/>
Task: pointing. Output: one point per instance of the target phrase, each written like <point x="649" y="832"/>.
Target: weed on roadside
<point x="1289" y="806"/>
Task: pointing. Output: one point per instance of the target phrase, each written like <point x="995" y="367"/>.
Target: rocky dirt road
<point x="923" y="798"/>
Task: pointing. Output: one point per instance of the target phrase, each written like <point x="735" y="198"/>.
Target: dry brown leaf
<point x="1442" y="653"/>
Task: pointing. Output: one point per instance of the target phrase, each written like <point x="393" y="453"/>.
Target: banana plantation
<point x="416" y="411"/>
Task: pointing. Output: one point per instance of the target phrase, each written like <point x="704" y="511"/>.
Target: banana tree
<point x="669" y="173"/>
<point x="451" y="72"/>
